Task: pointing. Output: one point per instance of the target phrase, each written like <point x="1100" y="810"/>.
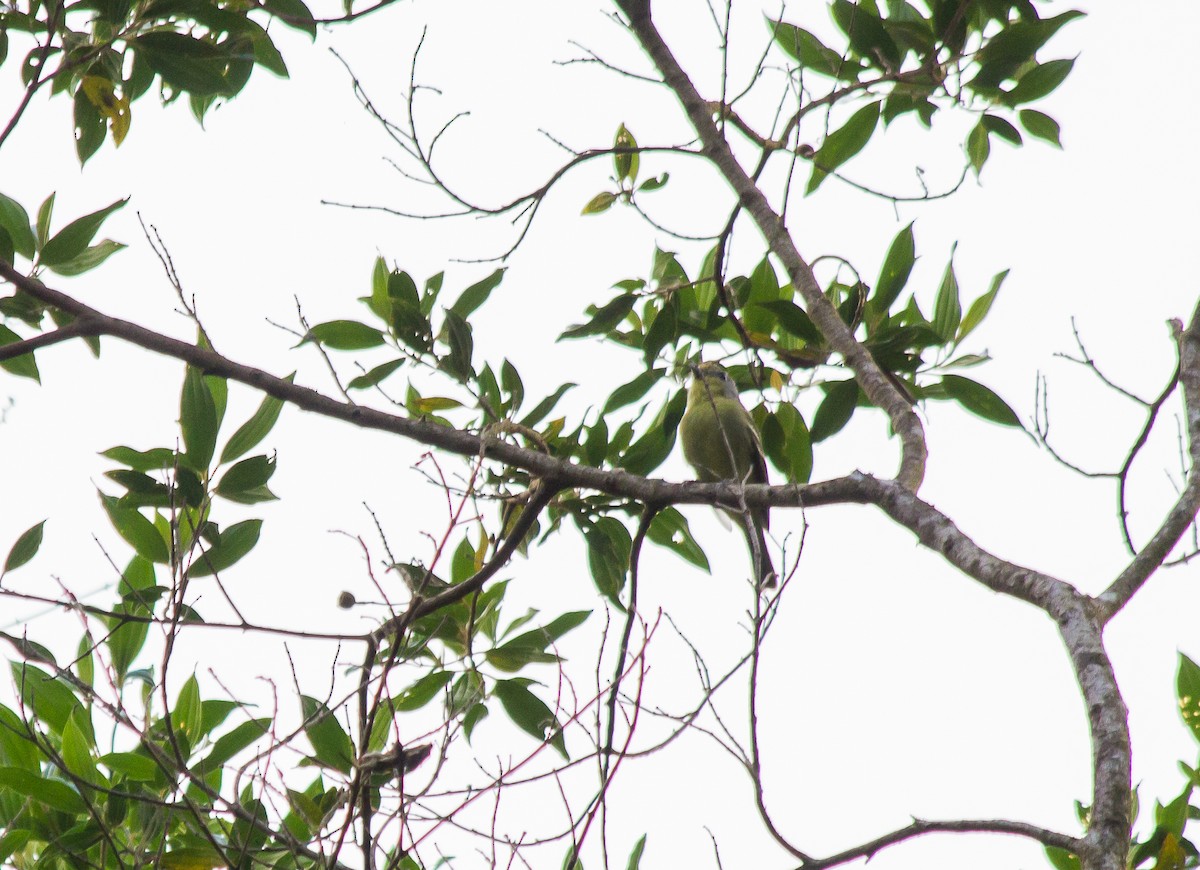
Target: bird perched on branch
<point x="721" y="442"/>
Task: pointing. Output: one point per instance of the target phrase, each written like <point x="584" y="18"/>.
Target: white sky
<point x="892" y="685"/>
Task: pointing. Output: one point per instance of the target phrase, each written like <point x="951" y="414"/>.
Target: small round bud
<point x="346" y="600"/>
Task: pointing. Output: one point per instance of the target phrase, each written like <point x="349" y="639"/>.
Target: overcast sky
<point x="892" y="687"/>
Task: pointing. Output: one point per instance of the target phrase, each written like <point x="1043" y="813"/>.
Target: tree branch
<point x="920" y="827"/>
<point x="1183" y="513"/>
<point x="75" y="329"/>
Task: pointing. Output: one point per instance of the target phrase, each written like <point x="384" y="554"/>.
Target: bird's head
<point x="711" y="379"/>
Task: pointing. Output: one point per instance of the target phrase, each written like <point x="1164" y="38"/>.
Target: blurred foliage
<point x="108" y="54"/>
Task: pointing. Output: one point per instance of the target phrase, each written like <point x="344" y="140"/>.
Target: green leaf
<point x="253" y="431"/>
<point x="155" y="459"/>
<point x="89" y="259"/>
<point x="293" y="13"/>
<point x="599" y="203"/>
<point x="131" y="765"/>
<point x="25" y="365"/>
<point x="545" y="406"/>
<point x="811" y="52"/>
<point x="456" y="333"/>
<point x="423" y="691"/>
<point x="842" y="144"/>
<point x="653" y="448"/>
<point x="1040" y="125"/>
<point x="654" y="183"/>
<point x="478" y="293"/>
<point x="635" y="857"/>
<point x="529" y="647"/>
<point x="12" y="842"/>
<point x="53" y="793"/>
<point x="1187" y="687"/>
<point x="90" y="128"/>
<point x="125" y="641"/>
<point x="670" y="529"/>
<point x="375" y="376"/>
<point x="231" y="743"/>
<point x="77" y="751"/>
<point x="188" y="714"/>
<point x="979" y="400"/>
<point x="625" y="163"/>
<point x="234" y="543"/>
<point x="330" y="743"/>
<point x="25" y="548"/>
<point x="467" y="693"/>
<point x="51" y="699"/>
<point x="17" y="747"/>
<point x="897" y="266"/>
<point x="510" y="380"/>
<point x="604" y="318"/>
<point x="246" y="482"/>
<point x="634" y="390"/>
<point x="185" y="64"/>
<point x="15" y="220"/>
<point x="530" y="713"/>
<point x="1062" y="859"/>
<point x="45" y="213"/>
<point x="787" y="442"/>
<point x="978" y="147"/>
<point x="136" y="530"/>
<point x="609" y="546"/>
<point x="868" y="37"/>
<point x="1011" y="48"/>
<point x="980" y="307"/>
<point x="345" y="335"/>
<point x="1039" y="82"/>
<point x="73" y="239"/>
<point x="835" y="409"/>
<point x="85" y="661"/>
<point x="197" y="420"/>
<point x="1002" y="128"/>
<point x="947" y="309"/>
<point x="794" y="320"/>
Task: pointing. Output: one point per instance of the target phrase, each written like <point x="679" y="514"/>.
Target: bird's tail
<point x="756" y="539"/>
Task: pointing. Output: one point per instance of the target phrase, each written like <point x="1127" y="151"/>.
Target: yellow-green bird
<point x="721" y="442"/>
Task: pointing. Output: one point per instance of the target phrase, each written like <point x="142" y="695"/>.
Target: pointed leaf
<point x="530" y="713"/>
<point x="198" y="420"/>
<point x="25" y="548"/>
<point x="835" y="410"/>
<point x="842" y="144"/>
<point x="478" y="293"/>
<point x="897" y="266"/>
<point x="253" y="431"/>
<point x="980" y="400"/>
<point x="15" y="220"/>
<point x="329" y="741"/>
<point x="73" y="239"/>
<point x="234" y="543"/>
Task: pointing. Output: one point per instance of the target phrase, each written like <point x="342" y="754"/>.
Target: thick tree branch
<point x="1183" y="512"/>
<point x="871" y="378"/>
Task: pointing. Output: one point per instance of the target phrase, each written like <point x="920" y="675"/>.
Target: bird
<point x="721" y="442"/>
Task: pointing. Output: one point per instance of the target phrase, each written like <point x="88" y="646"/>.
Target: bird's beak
<point x="694" y="369"/>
